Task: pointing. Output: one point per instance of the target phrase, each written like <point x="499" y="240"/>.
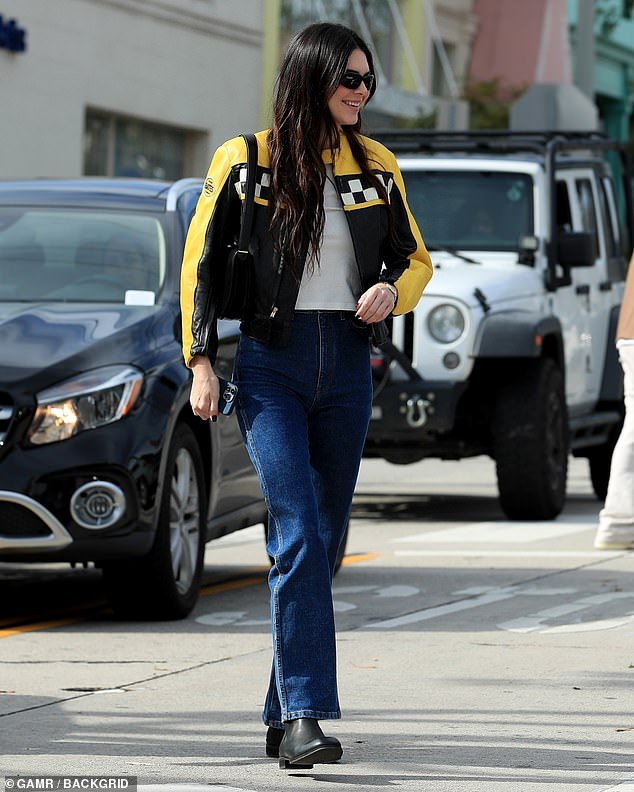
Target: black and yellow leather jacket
<point x="405" y="264"/>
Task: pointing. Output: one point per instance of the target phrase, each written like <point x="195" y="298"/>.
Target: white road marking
<point x="535" y="622"/>
<point x="628" y="786"/>
<point x="220" y="618"/>
<point x="397" y="591"/>
<point x="352" y="589"/>
<point x="223" y="618"/>
<point x="524" y="624"/>
<point x="470" y="598"/>
<point x="386" y="592"/>
<point x="379" y="591"/>
<point x="501" y="532"/>
<point x="496" y="595"/>
<point x="524" y="591"/>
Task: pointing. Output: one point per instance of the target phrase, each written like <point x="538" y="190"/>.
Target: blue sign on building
<point x="12" y="37"/>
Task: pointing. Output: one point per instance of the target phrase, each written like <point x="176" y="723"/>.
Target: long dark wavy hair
<point x="311" y="71"/>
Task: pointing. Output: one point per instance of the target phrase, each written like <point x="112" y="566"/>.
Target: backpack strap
<point x="246" y="218"/>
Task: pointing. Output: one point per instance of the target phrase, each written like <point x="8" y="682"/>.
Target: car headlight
<point x="446" y="323"/>
<point x="90" y="400"/>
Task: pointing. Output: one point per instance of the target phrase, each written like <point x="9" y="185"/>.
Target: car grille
<point x="7" y="411"/>
<point x="16" y="521"/>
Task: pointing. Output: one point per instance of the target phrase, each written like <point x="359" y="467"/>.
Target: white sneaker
<point x="614" y="542"/>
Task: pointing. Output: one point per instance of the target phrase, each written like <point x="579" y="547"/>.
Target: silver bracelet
<point x="393" y="290"/>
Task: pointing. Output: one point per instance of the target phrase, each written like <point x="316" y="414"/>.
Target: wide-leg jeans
<point x="304" y="411"/>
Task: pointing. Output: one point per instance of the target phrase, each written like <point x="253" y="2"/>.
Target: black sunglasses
<point x="352" y="79"/>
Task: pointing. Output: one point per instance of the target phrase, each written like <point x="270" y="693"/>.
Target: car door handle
<point x="605" y="286"/>
<point x="584" y="288"/>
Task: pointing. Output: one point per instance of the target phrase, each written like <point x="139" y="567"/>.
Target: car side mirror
<point x="577" y="248"/>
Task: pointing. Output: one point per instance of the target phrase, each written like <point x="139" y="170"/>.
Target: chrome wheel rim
<point x="184" y="521"/>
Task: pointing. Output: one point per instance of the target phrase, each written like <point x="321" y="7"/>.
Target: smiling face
<point x="345" y="103"/>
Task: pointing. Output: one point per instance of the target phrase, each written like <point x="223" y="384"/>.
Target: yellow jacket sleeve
<point x="411" y="283"/>
<point x="203" y="254"/>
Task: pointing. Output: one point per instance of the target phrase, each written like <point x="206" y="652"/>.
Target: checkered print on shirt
<point x="357" y="189"/>
<point x="262" y="183"/>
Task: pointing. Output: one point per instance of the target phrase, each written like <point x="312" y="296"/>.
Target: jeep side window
<point x="564" y="215"/>
<point x="588" y="210"/>
<point x="612" y="213"/>
<point x="608" y="228"/>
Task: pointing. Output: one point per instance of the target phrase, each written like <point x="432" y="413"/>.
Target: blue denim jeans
<point x="304" y="411"/>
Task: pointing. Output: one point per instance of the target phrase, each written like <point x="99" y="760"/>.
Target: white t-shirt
<point x="333" y="283"/>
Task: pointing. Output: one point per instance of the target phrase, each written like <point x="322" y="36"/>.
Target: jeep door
<point x="583" y="302"/>
<point x="593" y="283"/>
<point x="570" y="304"/>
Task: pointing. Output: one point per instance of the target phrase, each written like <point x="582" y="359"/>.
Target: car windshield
<point x="471" y="210"/>
<point x="80" y="256"/>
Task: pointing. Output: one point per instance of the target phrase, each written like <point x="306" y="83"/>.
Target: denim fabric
<point x="304" y="411"/>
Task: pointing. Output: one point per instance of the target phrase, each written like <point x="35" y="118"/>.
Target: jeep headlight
<point x="90" y="400"/>
<point x="446" y="323"/>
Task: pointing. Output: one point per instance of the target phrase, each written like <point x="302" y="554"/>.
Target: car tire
<point x="340" y="553"/>
<point x="531" y="443"/>
<point x="164" y="584"/>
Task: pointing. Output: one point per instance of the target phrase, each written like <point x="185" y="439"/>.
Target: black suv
<point x="101" y="458"/>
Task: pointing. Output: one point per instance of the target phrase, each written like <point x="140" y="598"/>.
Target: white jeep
<point x="510" y="352"/>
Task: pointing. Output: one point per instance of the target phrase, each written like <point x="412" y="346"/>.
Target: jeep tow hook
<point x="416" y="410"/>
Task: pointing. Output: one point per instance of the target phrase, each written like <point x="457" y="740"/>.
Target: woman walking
<point x="336" y="250"/>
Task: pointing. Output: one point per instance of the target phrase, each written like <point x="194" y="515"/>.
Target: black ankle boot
<point x="304" y="745"/>
<point x="273" y="740"/>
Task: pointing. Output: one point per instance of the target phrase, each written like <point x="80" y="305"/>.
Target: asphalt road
<point x="475" y="654"/>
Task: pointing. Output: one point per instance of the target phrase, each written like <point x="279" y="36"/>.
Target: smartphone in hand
<point x="227" y="398"/>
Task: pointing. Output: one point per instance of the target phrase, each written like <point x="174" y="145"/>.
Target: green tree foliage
<point x="490" y="103"/>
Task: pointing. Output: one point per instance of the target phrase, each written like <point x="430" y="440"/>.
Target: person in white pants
<point x="616" y="518"/>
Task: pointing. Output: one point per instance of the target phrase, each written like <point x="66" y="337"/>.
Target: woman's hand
<point x="376" y="303"/>
<point x="205" y="390"/>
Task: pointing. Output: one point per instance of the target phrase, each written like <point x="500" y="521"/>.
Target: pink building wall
<point x="521" y="42"/>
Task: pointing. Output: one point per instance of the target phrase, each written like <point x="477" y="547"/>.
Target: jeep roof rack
<point x="488" y="140"/>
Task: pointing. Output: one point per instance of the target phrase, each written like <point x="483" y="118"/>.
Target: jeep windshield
<point x="72" y="255"/>
<point x="471" y="210"/>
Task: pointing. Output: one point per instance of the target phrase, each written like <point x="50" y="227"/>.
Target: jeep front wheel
<point x="531" y="442"/>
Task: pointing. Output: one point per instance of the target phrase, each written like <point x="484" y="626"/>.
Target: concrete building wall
<point x="191" y="64"/>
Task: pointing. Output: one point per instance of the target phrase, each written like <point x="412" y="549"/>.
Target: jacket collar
<point x="342" y="161"/>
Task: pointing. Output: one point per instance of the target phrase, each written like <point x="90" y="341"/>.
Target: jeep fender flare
<point x="520" y="335"/>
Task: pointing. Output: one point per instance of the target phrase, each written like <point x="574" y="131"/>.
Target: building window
<point x="119" y="146"/>
<point x="375" y="14"/>
<point x="440" y="86"/>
